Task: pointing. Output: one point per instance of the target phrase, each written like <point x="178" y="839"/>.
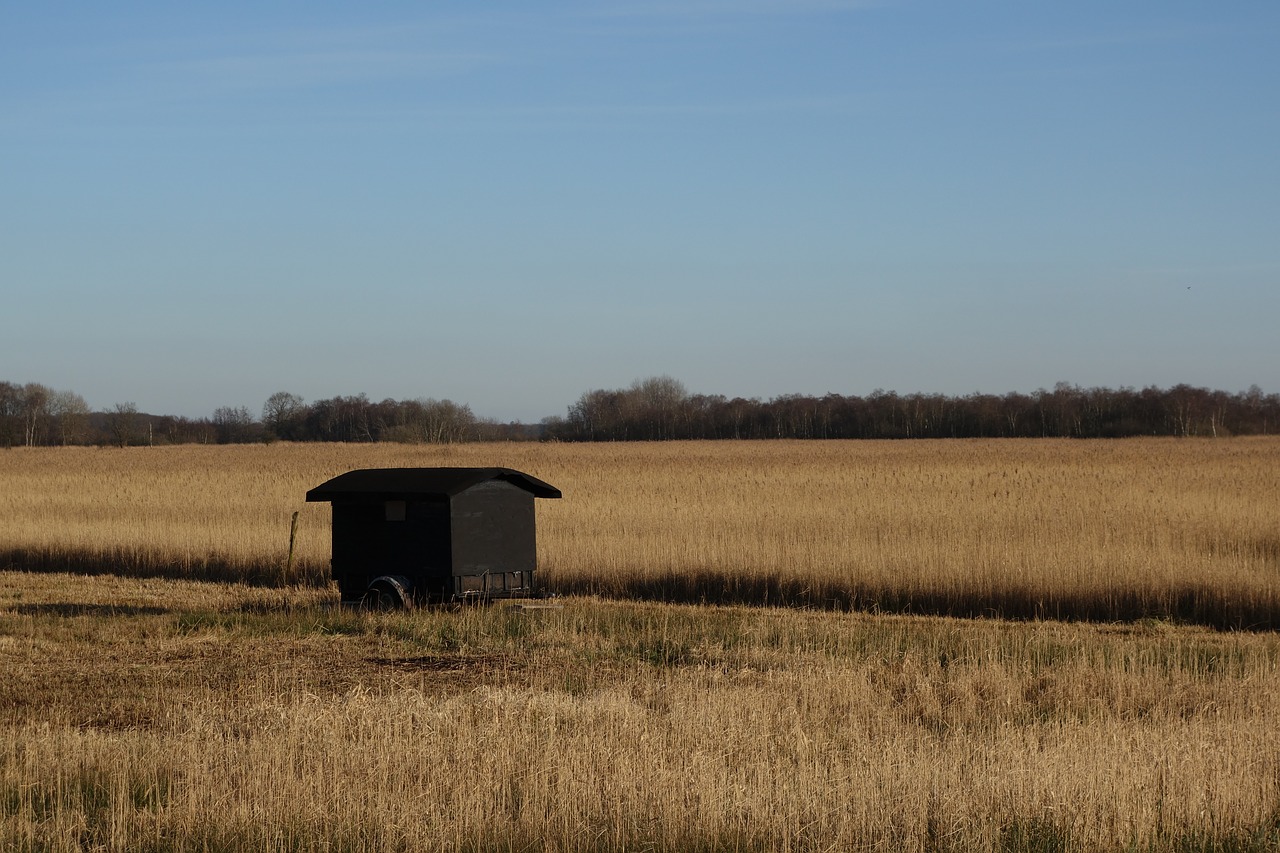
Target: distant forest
<point x="655" y="409"/>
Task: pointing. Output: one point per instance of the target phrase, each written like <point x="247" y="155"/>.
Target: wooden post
<point x="293" y="535"/>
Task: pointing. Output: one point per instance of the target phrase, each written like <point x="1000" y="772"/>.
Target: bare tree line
<point x="654" y="409"/>
<point x="660" y="409"/>
<point x="36" y="415"/>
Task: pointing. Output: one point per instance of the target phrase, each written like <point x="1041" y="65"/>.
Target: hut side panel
<point x="373" y="538"/>
<point x="494" y="539"/>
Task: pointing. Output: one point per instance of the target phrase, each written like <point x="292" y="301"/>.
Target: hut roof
<point x="408" y="483"/>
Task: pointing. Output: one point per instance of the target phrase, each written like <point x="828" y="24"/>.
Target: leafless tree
<point x="283" y="414"/>
<point x="35" y="413"/>
<point x="71" y="413"/>
<point x="234" y="425"/>
<point x="122" y="424"/>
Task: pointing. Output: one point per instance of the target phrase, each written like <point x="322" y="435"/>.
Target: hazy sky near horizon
<point x="508" y="204"/>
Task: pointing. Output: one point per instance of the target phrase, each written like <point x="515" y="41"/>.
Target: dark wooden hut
<point x="418" y="535"/>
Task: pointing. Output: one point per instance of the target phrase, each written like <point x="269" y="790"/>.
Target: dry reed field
<point x="1101" y="530"/>
<point x="157" y="715"/>
<point x="146" y="708"/>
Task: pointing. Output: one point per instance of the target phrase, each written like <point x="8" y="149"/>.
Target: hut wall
<point x="373" y="538"/>
<point x="493" y="534"/>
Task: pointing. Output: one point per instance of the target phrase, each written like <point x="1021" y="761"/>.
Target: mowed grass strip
<point x="1181" y="530"/>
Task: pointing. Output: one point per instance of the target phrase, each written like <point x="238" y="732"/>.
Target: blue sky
<point x="508" y="204"/>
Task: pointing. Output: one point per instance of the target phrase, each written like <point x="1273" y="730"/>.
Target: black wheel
<point x="387" y="593"/>
<point x="381" y="599"/>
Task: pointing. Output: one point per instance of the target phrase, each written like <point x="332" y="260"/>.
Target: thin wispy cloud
<point x="304" y="69"/>
<point x="133" y="77"/>
<point x="711" y="17"/>
<point x="291" y="59"/>
<point x="1216" y="273"/>
<point x="746" y="107"/>
<point x="171" y="79"/>
<point x="1122" y="38"/>
<point x="705" y="9"/>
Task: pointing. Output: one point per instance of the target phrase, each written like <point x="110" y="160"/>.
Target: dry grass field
<point x="157" y="715"/>
<point x="143" y="707"/>
<point x="1101" y="530"/>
